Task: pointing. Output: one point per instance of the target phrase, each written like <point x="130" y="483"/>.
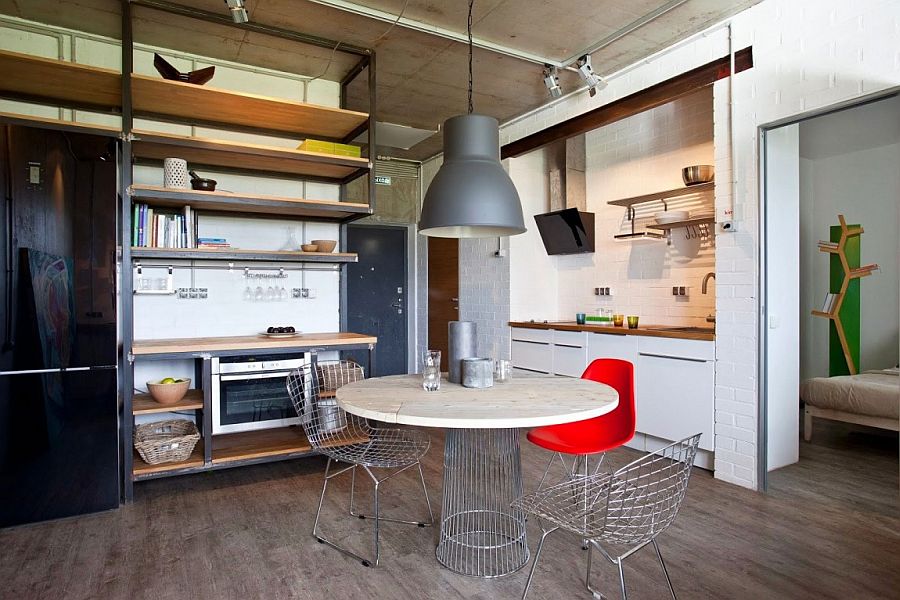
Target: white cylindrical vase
<point x="175" y="173"/>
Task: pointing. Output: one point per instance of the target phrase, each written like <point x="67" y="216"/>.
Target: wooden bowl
<point x="309" y="247"/>
<point x="325" y="245"/>
<point x="168" y="393"/>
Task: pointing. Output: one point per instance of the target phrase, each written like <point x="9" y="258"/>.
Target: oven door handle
<point x="248" y="376"/>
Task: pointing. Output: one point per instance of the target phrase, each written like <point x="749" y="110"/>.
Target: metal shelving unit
<point x="182" y="103"/>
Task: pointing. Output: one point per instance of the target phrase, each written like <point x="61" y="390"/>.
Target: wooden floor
<point x="830" y="528"/>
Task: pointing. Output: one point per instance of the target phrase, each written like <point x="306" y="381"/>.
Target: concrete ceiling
<point x="421" y="77"/>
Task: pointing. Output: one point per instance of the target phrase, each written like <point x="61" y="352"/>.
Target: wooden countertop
<point x="247" y="342"/>
<point x="644" y="330"/>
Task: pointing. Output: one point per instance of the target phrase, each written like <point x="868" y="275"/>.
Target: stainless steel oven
<point x="250" y="392"/>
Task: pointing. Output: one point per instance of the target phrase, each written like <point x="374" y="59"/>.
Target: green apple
<point x="168" y="380"/>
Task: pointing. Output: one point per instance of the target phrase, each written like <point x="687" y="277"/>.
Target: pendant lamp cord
<point x="471" y="108"/>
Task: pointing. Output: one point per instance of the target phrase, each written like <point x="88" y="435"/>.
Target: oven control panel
<point x="257" y="364"/>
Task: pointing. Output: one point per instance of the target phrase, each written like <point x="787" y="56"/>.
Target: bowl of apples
<point x="168" y="390"/>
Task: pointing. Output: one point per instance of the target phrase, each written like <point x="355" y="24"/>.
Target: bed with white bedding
<point x="871" y="398"/>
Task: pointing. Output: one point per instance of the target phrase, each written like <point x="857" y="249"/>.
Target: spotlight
<point x="551" y="80"/>
<point x="238" y="12"/>
<point x="586" y="72"/>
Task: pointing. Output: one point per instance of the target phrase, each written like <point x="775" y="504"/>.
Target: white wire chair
<point x="346" y="438"/>
<point x="630" y="506"/>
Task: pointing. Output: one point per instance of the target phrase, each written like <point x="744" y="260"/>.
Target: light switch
<point x="774" y="322"/>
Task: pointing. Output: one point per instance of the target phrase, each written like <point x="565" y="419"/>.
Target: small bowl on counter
<point x="697" y="174"/>
<point x="168" y="393"/>
<point x="309" y="247"/>
<point x="325" y="245"/>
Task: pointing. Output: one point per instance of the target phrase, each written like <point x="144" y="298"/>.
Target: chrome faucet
<point x="703" y="287"/>
<point x="706" y="278"/>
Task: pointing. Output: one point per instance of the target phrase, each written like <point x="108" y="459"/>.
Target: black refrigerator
<point x="58" y="380"/>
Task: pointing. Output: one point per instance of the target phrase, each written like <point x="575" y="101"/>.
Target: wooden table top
<point x="519" y="402"/>
<point x="248" y="342"/>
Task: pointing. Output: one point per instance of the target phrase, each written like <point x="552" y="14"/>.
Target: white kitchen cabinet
<point x="531" y="349"/>
<point x="675" y="381"/>
<point x="569" y="353"/>
<point x="612" y="345"/>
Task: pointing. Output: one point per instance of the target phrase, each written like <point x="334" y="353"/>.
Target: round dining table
<point x="481" y="534"/>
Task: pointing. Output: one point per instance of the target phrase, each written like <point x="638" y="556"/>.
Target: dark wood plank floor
<point x="830" y="528"/>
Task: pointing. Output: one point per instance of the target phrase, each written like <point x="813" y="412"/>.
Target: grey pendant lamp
<point x="471" y="196"/>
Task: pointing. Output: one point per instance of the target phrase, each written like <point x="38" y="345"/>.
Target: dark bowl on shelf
<point x="204" y="185"/>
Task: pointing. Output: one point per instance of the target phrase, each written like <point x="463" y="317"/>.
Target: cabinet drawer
<point x="608" y="345"/>
<point x="533" y="356"/>
<point x="675" y="398"/>
<point x="569" y="361"/>
<point x="675" y="348"/>
<point x="570" y="338"/>
<point x="531" y="335"/>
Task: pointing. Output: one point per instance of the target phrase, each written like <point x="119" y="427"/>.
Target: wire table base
<point x="481" y="535"/>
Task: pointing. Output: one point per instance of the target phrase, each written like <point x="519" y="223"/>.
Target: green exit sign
<point x="382" y="180"/>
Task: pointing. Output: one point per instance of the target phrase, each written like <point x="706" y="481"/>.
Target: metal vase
<point x="462" y="343"/>
<point x="477" y="372"/>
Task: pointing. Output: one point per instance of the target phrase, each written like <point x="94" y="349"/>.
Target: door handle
<point x="397" y="304"/>
<point x="454" y="299"/>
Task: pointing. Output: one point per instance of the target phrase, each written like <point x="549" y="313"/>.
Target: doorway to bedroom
<point x="832" y="303"/>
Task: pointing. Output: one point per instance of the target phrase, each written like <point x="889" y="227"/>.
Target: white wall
<point x="808" y="54"/>
<point x="849" y="166"/>
<point x="640" y="155"/>
<point x="533" y="276"/>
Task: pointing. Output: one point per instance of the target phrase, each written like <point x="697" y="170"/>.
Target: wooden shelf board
<point x="248" y="342"/>
<point x="685" y="223"/>
<point x="58" y="124"/>
<point x="158" y="97"/>
<point x="235" y="254"/>
<point x="248" y="203"/>
<point x="142" y="469"/>
<point x="144" y="404"/>
<point x="259" y="444"/>
<point x="665" y="195"/>
<point x="246" y="157"/>
<point x="57" y="81"/>
<point x="820" y="313"/>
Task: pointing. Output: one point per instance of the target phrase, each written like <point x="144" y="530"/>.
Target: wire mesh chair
<point x="631" y="506"/>
<point x="346" y="438"/>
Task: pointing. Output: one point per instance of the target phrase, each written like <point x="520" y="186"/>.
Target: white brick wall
<point x="641" y="155"/>
<point x="808" y="55"/>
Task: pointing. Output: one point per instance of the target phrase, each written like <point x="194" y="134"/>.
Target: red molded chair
<point x="600" y="434"/>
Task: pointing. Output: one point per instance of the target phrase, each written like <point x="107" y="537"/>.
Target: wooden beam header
<point x="651" y="97"/>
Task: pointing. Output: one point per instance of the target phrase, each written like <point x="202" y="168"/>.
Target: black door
<point x="376" y="294"/>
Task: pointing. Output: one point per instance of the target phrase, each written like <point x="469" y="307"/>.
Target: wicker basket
<point x="166" y="441"/>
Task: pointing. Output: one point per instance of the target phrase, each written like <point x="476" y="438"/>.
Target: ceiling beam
<point x="651" y="97"/>
<point x="461" y="37"/>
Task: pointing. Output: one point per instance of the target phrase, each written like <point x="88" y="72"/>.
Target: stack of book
<point x="155" y="227"/>
<point x="828" y="245"/>
<point x="828" y="305"/>
<point x="213" y="243"/>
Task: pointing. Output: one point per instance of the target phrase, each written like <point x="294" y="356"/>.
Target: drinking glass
<point x="580" y="318"/>
<point x="502" y="371"/>
<point x="618" y="320"/>
<point x="632" y="321"/>
<point x="431" y="371"/>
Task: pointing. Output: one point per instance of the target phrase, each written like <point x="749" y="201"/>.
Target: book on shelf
<point x="213" y="243"/>
<point x="829" y="245"/>
<point x="163" y="228"/>
<point x="865" y="269"/>
<point x="828" y="305"/>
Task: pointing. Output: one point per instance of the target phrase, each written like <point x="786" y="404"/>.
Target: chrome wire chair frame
<point x="346" y="438"/>
<point x="630" y="506"/>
